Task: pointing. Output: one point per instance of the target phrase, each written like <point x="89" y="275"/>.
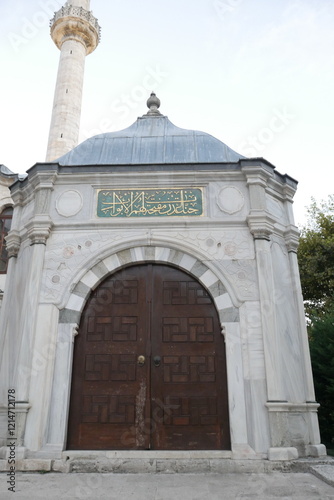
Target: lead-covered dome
<point x="152" y="139"/>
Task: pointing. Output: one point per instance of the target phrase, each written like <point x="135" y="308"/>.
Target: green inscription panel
<point x="150" y="202"/>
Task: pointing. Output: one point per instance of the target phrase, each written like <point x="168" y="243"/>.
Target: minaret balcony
<point x="70" y="13"/>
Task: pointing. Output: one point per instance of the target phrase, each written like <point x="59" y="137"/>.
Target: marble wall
<point x="240" y="249"/>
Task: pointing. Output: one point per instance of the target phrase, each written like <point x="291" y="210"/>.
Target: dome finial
<point x="153" y="103"/>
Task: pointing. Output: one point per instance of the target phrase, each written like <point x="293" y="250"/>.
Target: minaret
<point x="76" y="33"/>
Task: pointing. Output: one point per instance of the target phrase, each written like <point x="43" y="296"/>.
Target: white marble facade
<point x="6" y="179"/>
<point x="243" y="250"/>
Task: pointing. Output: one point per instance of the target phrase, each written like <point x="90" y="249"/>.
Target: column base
<point x="316" y="450"/>
<point x="282" y="454"/>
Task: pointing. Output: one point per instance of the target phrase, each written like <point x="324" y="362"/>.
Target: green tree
<point x="316" y="258"/>
<point x="316" y="264"/>
<point x="321" y="336"/>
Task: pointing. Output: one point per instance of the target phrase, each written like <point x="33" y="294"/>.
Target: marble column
<point x="236" y="391"/>
<point x="59" y="404"/>
<point x="38" y="232"/>
<point x="292" y="245"/>
<point x="9" y="322"/>
<point x="24" y="278"/>
<point x="41" y="374"/>
<point x="261" y="225"/>
<point x="272" y="348"/>
<point x="8" y="336"/>
<point x="315" y="448"/>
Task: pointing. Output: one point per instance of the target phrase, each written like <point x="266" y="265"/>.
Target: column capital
<point x="39" y="230"/>
<point x="13" y="243"/>
<point x="291" y="237"/>
<point x="261" y="224"/>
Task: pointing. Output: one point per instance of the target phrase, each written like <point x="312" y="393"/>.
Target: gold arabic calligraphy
<point x="149" y="202"/>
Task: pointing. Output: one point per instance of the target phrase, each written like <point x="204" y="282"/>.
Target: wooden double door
<point x="149" y="368"/>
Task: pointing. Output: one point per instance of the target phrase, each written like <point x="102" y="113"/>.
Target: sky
<point x="256" y="74"/>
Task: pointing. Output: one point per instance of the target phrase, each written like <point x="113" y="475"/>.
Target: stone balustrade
<point x="72" y="11"/>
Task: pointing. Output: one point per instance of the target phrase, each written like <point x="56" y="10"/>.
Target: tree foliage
<point x="316" y="264"/>
<point x="316" y="258"/>
<point x="321" y="336"/>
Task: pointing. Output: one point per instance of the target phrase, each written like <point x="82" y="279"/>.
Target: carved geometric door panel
<point x="109" y="388"/>
<point x="191" y="377"/>
<point x="149" y="367"/>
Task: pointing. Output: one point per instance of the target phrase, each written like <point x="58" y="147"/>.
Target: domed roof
<point x="152" y="139"/>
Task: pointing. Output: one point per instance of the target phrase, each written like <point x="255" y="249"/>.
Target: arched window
<point x="5" y="223"/>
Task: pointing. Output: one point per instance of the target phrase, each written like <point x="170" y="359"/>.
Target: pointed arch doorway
<point x="149" y="367"/>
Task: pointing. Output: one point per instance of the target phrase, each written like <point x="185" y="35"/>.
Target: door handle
<point x="141" y="360"/>
<point x="157" y="360"/>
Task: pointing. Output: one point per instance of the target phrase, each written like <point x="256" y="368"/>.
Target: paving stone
<point x="197" y="486"/>
<point x="324" y="472"/>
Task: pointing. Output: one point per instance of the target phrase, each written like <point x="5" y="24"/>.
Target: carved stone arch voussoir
<point x="228" y="313"/>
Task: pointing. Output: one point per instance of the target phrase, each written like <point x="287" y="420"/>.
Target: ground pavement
<point x="229" y="486"/>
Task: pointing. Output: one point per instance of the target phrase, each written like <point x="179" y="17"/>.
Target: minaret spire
<point x="76" y="33"/>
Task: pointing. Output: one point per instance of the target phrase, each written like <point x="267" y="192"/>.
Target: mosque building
<point x="150" y="295"/>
